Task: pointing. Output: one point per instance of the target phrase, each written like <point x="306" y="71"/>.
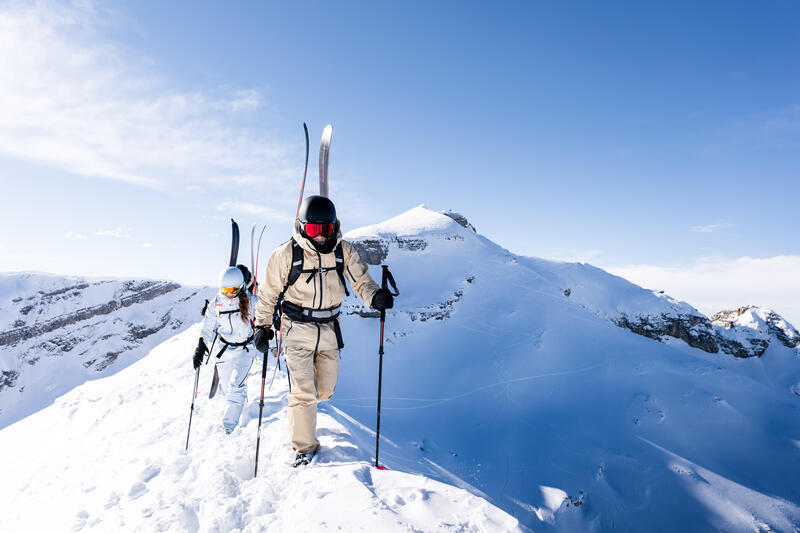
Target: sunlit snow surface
<point x="523" y="392"/>
<point x="495" y="381"/>
<point x="109" y="456"/>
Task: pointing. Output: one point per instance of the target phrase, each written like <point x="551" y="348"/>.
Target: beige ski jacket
<point x="323" y="291"/>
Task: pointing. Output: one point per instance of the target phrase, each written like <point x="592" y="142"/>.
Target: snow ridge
<point x="99" y="481"/>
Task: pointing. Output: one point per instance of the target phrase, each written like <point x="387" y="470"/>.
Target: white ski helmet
<point x="231" y="281"/>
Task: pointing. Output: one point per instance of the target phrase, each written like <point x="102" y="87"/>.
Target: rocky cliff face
<point x="743" y="332"/>
<point x="54" y="327"/>
<point x="749" y="330"/>
<point x="694" y="330"/>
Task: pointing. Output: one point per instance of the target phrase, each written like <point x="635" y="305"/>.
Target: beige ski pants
<point x="312" y="377"/>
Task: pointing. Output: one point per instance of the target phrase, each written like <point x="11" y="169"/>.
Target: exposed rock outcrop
<point x="132" y="293"/>
<point x="461" y="219"/>
<point x="85" y="322"/>
<point x="743" y="332"/>
<point x="695" y="330"/>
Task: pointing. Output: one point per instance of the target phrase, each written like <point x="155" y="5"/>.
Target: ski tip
<point x="381" y="467"/>
<point x="327" y="133"/>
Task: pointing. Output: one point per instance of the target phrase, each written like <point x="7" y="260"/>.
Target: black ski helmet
<point x="317" y="210"/>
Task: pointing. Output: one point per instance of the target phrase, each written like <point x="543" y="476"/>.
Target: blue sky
<point x="658" y="141"/>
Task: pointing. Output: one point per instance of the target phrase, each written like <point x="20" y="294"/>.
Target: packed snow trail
<point x="109" y="455"/>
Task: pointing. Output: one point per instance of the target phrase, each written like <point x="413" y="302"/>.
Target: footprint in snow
<point x="112" y="500"/>
<point x="137" y="490"/>
<point x="179" y="466"/>
<point x="149" y="473"/>
<point x="80" y="520"/>
<point x="188" y="519"/>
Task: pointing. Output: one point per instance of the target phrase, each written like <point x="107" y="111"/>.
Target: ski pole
<point x="191" y="412"/>
<point x="196" y="383"/>
<point x="385" y="276"/>
<point x="261" y="404"/>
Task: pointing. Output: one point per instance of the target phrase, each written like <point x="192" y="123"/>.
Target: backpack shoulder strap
<point x="339" y="254"/>
<point x="294" y="272"/>
<point x="297" y="264"/>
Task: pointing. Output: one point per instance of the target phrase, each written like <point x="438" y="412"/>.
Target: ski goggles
<point x="312" y="230"/>
<point x="230" y="291"/>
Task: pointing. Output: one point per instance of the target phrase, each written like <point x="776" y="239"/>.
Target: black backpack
<point x="297" y="269"/>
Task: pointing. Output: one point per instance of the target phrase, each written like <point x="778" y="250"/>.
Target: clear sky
<point x="658" y="140"/>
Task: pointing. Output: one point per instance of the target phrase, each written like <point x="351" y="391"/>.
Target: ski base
<point x="214" y="383"/>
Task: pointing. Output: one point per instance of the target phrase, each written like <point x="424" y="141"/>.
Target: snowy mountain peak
<point x="757" y="322"/>
<point x="411" y="231"/>
<point x="417" y="222"/>
<point x="448" y="239"/>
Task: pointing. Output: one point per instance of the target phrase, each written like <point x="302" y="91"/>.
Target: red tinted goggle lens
<point x="312" y="230"/>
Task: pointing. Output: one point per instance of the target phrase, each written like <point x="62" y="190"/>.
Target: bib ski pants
<point x="223" y="320"/>
<point x="233" y="369"/>
<point x="312" y="377"/>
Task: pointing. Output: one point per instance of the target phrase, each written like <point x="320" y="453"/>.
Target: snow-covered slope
<point x="512" y="374"/>
<point x="109" y="456"/>
<point x="570" y="398"/>
<point x="56" y="332"/>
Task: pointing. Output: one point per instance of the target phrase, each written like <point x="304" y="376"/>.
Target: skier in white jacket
<point x="228" y="328"/>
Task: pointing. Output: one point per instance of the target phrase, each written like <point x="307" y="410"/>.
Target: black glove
<point x="383" y="299"/>
<point x="199" y="352"/>
<point x="261" y="339"/>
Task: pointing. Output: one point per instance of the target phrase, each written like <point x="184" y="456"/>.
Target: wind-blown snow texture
<point x="516" y="379"/>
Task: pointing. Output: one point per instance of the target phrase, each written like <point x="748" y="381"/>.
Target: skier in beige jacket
<point x="301" y="295"/>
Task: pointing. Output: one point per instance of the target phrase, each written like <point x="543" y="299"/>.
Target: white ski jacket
<point x="223" y="319"/>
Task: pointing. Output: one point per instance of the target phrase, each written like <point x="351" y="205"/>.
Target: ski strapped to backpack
<point x="302" y="314"/>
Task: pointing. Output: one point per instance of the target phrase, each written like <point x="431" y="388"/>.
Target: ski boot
<point x="302" y="459"/>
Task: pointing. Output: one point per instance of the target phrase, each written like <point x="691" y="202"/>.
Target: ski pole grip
<point x="384" y="276"/>
<point x="265" y="355"/>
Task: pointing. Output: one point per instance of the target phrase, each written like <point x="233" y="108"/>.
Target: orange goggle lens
<point x="230" y="291"/>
